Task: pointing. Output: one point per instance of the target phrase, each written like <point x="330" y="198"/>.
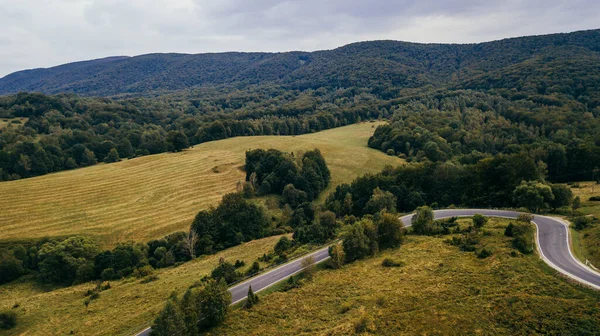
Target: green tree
<point x="479" y="220"/>
<point x="178" y="141"/>
<point x="357" y="244"/>
<point x="328" y="223"/>
<point x="563" y="196"/>
<point x="214" y="303"/>
<point x="381" y="201"/>
<point x="282" y="245"/>
<point x="533" y="195"/>
<point x="390" y="231"/>
<point x="113" y="156"/>
<point x="293" y="196"/>
<point x="523" y="237"/>
<point x="337" y="256"/>
<point x="10" y="267"/>
<point x="226" y="271"/>
<point x="170" y="321"/>
<point x="190" y="312"/>
<point x="576" y="203"/>
<point x="251" y="300"/>
<point x="422" y="220"/>
<point x="60" y="260"/>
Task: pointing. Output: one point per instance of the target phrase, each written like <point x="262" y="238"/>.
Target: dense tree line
<point x="466" y="126"/>
<point x="490" y="182"/>
<point x="66" y="132"/>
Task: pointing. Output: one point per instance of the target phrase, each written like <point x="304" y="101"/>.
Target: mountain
<point x="363" y="64"/>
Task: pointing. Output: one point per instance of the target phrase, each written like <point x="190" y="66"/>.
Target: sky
<point x="44" y="33"/>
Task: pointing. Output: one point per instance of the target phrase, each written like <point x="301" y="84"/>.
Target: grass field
<point x="440" y="291"/>
<point x="126" y="308"/>
<point x="586" y="243"/>
<point x="149" y="197"/>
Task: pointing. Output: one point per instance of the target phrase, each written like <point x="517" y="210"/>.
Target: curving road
<point x="552" y="241"/>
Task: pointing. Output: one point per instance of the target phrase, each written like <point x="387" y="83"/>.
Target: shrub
<point x="239" y="263"/>
<point x="479" y="220"/>
<point x="484" y="253"/>
<point x="108" y="274"/>
<point x="282" y="245"/>
<point x="509" y="230"/>
<point x="291" y="283"/>
<point x="388" y="262"/>
<point x="581" y="222"/>
<point x="10" y="267"/>
<point x="390" y="231"/>
<point x="8" y="319"/>
<point x="226" y="271"/>
<point x="595" y="198"/>
<point x="523" y="237"/>
<point x="143" y="271"/>
<point x="337" y="256"/>
<point x="251" y="300"/>
<point x="149" y="279"/>
<point x="255" y="268"/>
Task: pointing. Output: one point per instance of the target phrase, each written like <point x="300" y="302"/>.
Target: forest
<point x="537" y="94"/>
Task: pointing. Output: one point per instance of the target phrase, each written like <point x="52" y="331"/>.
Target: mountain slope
<point x="361" y="64"/>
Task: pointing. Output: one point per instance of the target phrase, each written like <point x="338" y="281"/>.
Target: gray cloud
<point x="40" y="33"/>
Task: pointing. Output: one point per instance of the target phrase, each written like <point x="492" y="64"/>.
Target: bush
<point x="255" y="268"/>
<point x="509" y="230"/>
<point x="291" y="283"/>
<point x="225" y="271"/>
<point x="581" y="222"/>
<point x="149" y="279"/>
<point x="108" y="274"/>
<point x="337" y="256"/>
<point x="143" y="271"/>
<point x="282" y="245"/>
<point x="10" y="267"/>
<point x="239" y="263"/>
<point x="595" y="198"/>
<point x="523" y="237"/>
<point x="484" y="253"/>
<point x="388" y="262"/>
<point x="8" y="319"/>
<point x="479" y="220"/>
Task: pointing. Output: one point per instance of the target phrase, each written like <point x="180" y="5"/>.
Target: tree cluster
<point x="234" y="221"/>
<point x="367" y="237"/>
<point x="197" y="311"/>
<point x="298" y="180"/>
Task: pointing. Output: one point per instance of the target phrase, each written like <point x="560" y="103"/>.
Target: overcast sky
<point x="43" y="33"/>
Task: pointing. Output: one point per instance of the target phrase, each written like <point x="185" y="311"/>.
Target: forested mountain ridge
<point x="362" y="64"/>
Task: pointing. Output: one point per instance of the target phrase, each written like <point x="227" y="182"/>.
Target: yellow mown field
<point x="149" y="197"/>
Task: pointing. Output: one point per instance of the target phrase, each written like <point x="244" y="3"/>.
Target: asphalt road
<point x="552" y="241"/>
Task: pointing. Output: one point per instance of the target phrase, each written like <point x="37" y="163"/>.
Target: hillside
<point x="126" y="308"/>
<point x="439" y="290"/>
<point x="363" y="64"/>
<point x="149" y="197"/>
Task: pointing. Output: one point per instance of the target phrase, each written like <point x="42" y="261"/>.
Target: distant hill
<point x="362" y="64"/>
